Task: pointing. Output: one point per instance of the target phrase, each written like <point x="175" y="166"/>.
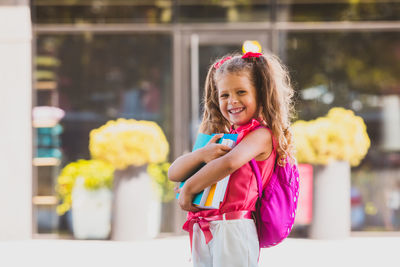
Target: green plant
<point x="96" y="174"/>
<point x="164" y="187"/>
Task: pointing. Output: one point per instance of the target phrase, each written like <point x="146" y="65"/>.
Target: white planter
<point x="91" y="212"/>
<point x="331" y="201"/>
<point x="137" y="210"/>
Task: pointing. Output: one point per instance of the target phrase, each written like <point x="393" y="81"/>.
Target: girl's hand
<point x="213" y="150"/>
<point x="185" y="200"/>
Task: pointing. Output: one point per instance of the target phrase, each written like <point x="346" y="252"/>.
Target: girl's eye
<point x="241" y="92"/>
<point x="223" y="96"/>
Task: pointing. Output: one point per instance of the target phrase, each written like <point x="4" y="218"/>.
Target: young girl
<point x="249" y="95"/>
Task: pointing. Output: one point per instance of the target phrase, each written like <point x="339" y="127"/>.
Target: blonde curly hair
<point x="274" y="97"/>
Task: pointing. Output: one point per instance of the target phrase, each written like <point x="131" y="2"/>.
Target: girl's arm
<point x="256" y="143"/>
<point x="186" y="165"/>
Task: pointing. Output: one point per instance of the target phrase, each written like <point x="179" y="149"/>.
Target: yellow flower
<point x="96" y="174"/>
<point x="129" y="142"/>
<point x="340" y="135"/>
<point x="164" y="187"/>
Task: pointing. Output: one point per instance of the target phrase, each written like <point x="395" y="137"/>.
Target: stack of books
<point x="212" y="196"/>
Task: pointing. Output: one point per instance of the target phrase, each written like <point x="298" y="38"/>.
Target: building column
<point x="15" y="120"/>
<point x="391" y="122"/>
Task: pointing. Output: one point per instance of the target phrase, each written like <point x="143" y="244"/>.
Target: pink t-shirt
<point x="242" y="190"/>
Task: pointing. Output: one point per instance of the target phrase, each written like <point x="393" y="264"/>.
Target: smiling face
<point x="237" y="98"/>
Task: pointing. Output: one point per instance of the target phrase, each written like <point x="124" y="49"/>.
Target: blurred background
<point x="67" y="67"/>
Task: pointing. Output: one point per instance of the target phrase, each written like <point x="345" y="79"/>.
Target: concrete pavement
<point x="175" y="252"/>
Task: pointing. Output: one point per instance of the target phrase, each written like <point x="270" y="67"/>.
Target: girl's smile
<point x="237" y="98"/>
<point x="235" y="110"/>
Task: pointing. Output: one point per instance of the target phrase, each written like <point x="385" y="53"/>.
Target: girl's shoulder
<point x="263" y="137"/>
<point x="260" y="136"/>
<point x="258" y="139"/>
<point x="253" y="126"/>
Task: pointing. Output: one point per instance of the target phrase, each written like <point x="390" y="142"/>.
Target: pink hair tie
<point x="222" y="61"/>
<point x="251" y="54"/>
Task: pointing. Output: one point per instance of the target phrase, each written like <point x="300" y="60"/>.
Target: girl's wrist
<point x="201" y="155"/>
<point x="188" y="188"/>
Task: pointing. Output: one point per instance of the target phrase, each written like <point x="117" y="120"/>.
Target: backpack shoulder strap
<point x="254" y="165"/>
<point x="256" y="171"/>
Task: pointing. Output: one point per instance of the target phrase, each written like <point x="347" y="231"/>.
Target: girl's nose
<point x="233" y="100"/>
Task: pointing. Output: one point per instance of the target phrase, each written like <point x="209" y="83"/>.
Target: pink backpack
<point x="277" y="203"/>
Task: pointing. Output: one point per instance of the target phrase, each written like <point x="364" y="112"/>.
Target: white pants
<point x="234" y="243"/>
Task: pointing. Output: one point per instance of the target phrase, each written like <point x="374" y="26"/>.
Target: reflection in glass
<point x="169" y="11"/>
<point x="337" y="10"/>
<point x="223" y="11"/>
<point x="103" y="77"/>
<point x="47" y="219"/>
<point x="108" y="11"/>
<point x="46" y="180"/>
<point x="347" y="69"/>
<point x="359" y="71"/>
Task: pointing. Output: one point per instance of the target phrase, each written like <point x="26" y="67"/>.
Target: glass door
<point x="204" y="48"/>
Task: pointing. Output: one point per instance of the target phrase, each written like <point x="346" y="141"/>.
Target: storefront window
<point x="337" y="10"/>
<point x="94" y="78"/>
<point x="107" y="76"/>
<point x="223" y="11"/>
<point x="108" y="11"/>
<point x="169" y="11"/>
<point x="358" y="71"/>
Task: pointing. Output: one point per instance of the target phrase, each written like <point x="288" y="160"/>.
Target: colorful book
<point x="212" y="196"/>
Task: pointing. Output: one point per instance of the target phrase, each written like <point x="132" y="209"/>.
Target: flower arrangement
<point x="96" y="174"/>
<point x="340" y="135"/>
<point x="159" y="173"/>
<point x="125" y="142"/>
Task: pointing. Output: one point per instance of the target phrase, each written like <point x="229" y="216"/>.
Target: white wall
<point x="15" y="122"/>
<point x="391" y="122"/>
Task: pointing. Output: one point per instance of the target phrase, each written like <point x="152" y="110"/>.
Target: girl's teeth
<point x="236" y="110"/>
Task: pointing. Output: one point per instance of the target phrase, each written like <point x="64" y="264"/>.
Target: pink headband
<point x="219" y="63"/>
<point x="246" y="55"/>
